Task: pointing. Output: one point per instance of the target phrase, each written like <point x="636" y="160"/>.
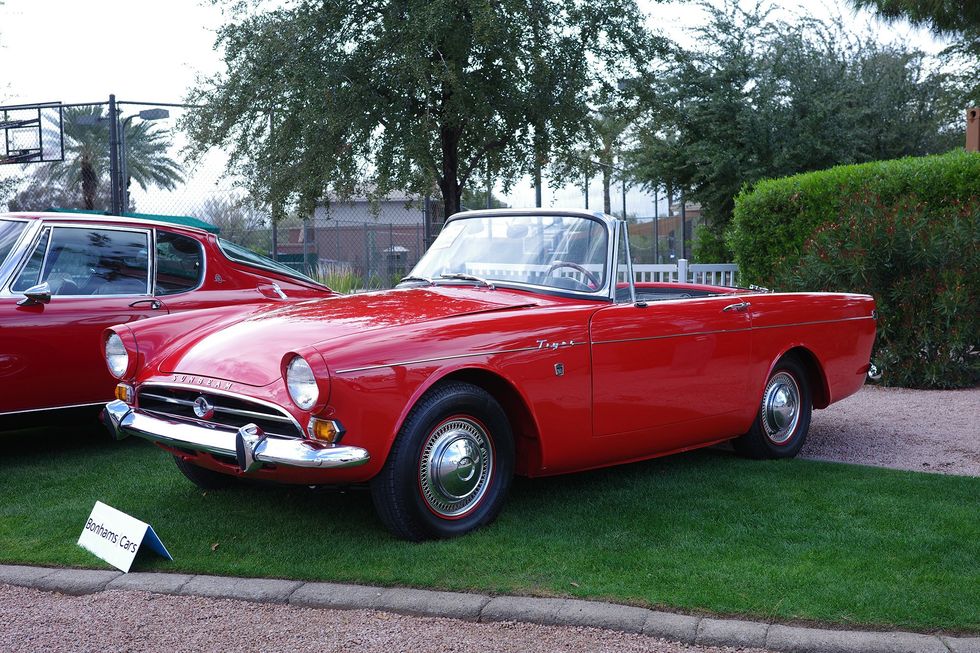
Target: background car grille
<point x="232" y="412"/>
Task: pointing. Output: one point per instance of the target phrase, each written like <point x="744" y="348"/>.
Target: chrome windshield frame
<point x="612" y="224"/>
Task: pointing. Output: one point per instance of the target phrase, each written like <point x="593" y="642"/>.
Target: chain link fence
<point x="352" y="244"/>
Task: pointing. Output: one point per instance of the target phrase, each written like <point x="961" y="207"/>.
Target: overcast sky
<point x="81" y="51"/>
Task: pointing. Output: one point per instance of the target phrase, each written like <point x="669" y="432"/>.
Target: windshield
<point x="10" y="231"/>
<point x="239" y="254"/>
<point x="564" y="252"/>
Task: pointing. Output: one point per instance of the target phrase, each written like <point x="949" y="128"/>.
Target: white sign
<point x="115" y="537"/>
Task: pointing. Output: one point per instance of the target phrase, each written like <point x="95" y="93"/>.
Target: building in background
<point x="379" y="240"/>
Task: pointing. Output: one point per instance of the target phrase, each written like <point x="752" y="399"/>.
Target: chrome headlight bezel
<point x="116" y="356"/>
<point x="301" y="383"/>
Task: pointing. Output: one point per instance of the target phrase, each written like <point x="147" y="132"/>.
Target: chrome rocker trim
<point x="249" y="445"/>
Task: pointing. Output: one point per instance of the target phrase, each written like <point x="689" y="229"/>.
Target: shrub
<point x="903" y="231"/>
<point x="774" y="219"/>
<point x="922" y="265"/>
<point x="339" y="277"/>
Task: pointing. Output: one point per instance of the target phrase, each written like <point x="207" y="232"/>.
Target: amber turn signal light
<point x="327" y="430"/>
<point x="124" y="393"/>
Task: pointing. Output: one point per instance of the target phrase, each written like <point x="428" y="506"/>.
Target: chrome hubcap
<point x="455" y="468"/>
<point x="781" y="408"/>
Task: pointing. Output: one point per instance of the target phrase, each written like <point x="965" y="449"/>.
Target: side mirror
<point x="39" y="294"/>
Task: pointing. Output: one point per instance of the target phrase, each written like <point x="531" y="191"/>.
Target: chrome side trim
<point x="843" y="319"/>
<point x="219" y="409"/>
<point x="719" y="331"/>
<point x="436" y="359"/>
<point x="578" y="344"/>
<point x="671" y="335"/>
<point x="225" y="393"/>
<point x="124" y="421"/>
<point x="42" y="410"/>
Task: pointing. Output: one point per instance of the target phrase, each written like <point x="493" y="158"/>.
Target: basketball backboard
<point x="32" y="133"/>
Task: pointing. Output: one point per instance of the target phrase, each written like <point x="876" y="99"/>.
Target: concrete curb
<point x="703" y="631"/>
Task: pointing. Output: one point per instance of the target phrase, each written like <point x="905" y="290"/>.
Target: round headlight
<point x="116" y="356"/>
<point x="301" y="383"/>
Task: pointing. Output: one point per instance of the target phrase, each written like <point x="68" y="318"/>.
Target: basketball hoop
<point x="32" y="133"/>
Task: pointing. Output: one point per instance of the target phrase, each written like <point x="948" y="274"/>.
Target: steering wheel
<point x="593" y="280"/>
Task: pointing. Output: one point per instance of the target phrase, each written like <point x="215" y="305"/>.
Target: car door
<point x="98" y="276"/>
<point x="669" y="374"/>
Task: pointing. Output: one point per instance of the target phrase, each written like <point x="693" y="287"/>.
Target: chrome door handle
<point x="154" y="303"/>
<point x="741" y="306"/>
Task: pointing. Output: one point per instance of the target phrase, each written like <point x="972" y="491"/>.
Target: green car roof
<point x="183" y="220"/>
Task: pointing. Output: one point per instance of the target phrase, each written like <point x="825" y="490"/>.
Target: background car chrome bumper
<point x="248" y="445"/>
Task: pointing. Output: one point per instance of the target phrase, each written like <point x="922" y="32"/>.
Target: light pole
<point x="122" y="184"/>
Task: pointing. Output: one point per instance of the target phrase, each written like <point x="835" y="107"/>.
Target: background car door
<point x="669" y="374"/>
<point x="99" y="276"/>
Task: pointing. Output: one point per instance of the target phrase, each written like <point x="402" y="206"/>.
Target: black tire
<point x="450" y="467"/>
<point x="778" y="431"/>
<point x="205" y="479"/>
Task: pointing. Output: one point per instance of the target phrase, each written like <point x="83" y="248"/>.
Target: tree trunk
<point x="606" y="183"/>
<point x="449" y="181"/>
<point x="90" y="183"/>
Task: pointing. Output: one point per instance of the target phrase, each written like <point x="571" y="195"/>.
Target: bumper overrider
<point x="248" y="445"/>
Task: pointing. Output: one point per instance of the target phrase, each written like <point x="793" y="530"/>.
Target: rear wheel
<point x="450" y="467"/>
<point x="205" y="479"/>
<point x="783" y="420"/>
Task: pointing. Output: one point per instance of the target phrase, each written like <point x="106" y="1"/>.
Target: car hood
<point x="249" y="350"/>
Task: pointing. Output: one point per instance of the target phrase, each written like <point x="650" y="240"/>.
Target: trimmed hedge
<point x="773" y="219"/>
<point x="906" y="232"/>
<point x="922" y="265"/>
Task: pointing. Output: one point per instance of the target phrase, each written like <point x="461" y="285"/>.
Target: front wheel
<point x="450" y="467"/>
<point x="783" y="420"/>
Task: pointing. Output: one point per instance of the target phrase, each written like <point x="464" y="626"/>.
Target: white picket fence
<point x="713" y="274"/>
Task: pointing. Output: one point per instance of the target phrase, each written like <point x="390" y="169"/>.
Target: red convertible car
<point x="65" y="277"/>
<point x="520" y="344"/>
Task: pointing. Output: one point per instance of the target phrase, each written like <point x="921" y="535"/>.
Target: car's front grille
<point x="229" y="411"/>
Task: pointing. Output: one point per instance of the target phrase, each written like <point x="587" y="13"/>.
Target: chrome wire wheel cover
<point x="455" y="467"/>
<point x="781" y="408"/>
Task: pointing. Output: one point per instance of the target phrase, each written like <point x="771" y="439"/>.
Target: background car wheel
<point x="205" y="479"/>
<point x="783" y="420"/>
<point x="450" y="467"/>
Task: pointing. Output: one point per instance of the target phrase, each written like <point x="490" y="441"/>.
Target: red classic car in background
<point x="64" y="278"/>
<point x="519" y="344"/>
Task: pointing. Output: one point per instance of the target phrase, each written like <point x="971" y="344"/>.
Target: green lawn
<point x="698" y="532"/>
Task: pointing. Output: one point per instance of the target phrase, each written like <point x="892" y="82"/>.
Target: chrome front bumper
<point x="249" y="446"/>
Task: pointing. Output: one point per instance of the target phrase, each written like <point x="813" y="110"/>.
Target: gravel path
<point x="921" y="430"/>
<point x="31" y="620"/>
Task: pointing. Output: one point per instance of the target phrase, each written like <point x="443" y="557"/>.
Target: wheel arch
<point x="816" y="376"/>
<point x="527" y="441"/>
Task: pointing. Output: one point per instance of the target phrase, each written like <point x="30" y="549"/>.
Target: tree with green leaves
<point x="328" y="99"/>
<point x="757" y="98"/>
<point x="239" y="220"/>
<point x="86" y="164"/>
<point x="955" y="19"/>
<point x="942" y="16"/>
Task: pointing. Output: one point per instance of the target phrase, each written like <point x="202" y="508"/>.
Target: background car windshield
<point x="564" y="252"/>
<point x="10" y="231"/>
<point x="239" y="254"/>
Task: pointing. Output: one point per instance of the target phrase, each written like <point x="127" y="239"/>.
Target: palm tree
<point x="86" y="163"/>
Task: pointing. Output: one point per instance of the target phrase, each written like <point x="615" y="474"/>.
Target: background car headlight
<point x="116" y="356"/>
<point x="301" y="383"/>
